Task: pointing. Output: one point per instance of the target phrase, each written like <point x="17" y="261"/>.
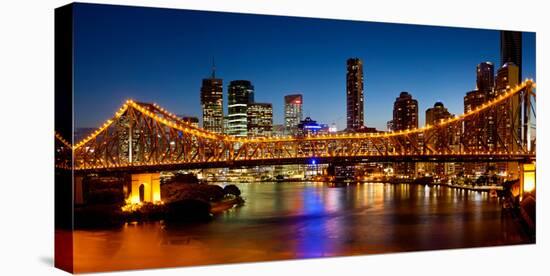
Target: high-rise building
<point x="436" y="113"/>
<point x="485" y="77"/>
<point x="475" y="134"/>
<point x="354" y="94"/>
<point x="511" y="49"/>
<point x="212" y="103"/>
<point x="405" y="112"/>
<point x="293" y="113"/>
<point x="485" y="84"/>
<point x="509" y="112"/>
<point x="405" y="116"/>
<point x="446" y="139"/>
<point x="260" y="119"/>
<point x="240" y="95"/>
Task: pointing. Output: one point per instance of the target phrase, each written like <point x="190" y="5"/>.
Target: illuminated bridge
<point x="143" y="137"/>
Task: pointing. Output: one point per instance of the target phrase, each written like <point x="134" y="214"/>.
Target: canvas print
<point x="187" y="138"/>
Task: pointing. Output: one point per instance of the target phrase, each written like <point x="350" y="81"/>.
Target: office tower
<point x="405" y="112"/>
<point x="405" y="116"/>
<point x="447" y="139"/>
<point x="354" y="94"/>
<point x="475" y="134"/>
<point x="436" y="113"/>
<point x="511" y="49"/>
<point x="260" y="119"/>
<point x="485" y="84"/>
<point x="485" y="77"/>
<point x="293" y="113"/>
<point x="240" y="95"/>
<point x="508" y="115"/>
<point x="212" y="103"/>
<point x="509" y="112"/>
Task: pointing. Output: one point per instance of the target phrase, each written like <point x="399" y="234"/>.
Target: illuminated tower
<point x="260" y="119"/>
<point x="240" y="95"/>
<point x="354" y="94"/>
<point x="405" y="116"/>
<point x="212" y="103"/>
<point x="405" y="112"/>
<point x="293" y="113"/>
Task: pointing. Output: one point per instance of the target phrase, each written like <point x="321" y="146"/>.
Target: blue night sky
<point x="161" y="55"/>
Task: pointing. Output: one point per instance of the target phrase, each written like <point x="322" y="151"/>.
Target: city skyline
<point x="260" y="138"/>
<point x="131" y="75"/>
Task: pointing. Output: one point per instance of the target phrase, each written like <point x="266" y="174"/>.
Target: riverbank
<point x="389" y="181"/>
<point x="182" y="202"/>
<point x="472" y="188"/>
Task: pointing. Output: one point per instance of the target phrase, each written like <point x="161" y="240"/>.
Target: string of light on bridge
<point x="389" y="154"/>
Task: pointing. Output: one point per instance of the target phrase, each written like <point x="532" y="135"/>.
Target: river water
<point x="307" y="220"/>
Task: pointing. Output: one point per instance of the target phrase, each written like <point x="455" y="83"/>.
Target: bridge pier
<point x="527" y="180"/>
<point x="145" y="187"/>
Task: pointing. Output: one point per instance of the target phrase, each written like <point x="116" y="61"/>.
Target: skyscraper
<point x="509" y="112"/>
<point x="475" y="134"/>
<point x="293" y="113"/>
<point x="485" y="84"/>
<point x="485" y="79"/>
<point x="405" y="116"/>
<point x="212" y="103"/>
<point x="446" y="139"/>
<point x="511" y="49"/>
<point x="405" y="112"/>
<point x="240" y="95"/>
<point x="260" y="119"/>
<point x="354" y="94"/>
<point x="436" y="113"/>
<point x="508" y="115"/>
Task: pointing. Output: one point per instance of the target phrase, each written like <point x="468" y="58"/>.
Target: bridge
<point x="146" y="137"/>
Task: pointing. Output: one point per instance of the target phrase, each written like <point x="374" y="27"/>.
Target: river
<point x="307" y="220"/>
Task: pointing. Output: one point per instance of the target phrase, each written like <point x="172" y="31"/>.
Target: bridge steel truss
<point x="146" y="137"/>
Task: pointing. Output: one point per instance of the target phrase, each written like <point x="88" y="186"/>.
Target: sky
<point x="162" y="55"/>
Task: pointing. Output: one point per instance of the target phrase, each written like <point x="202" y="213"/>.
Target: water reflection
<point x="304" y="220"/>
